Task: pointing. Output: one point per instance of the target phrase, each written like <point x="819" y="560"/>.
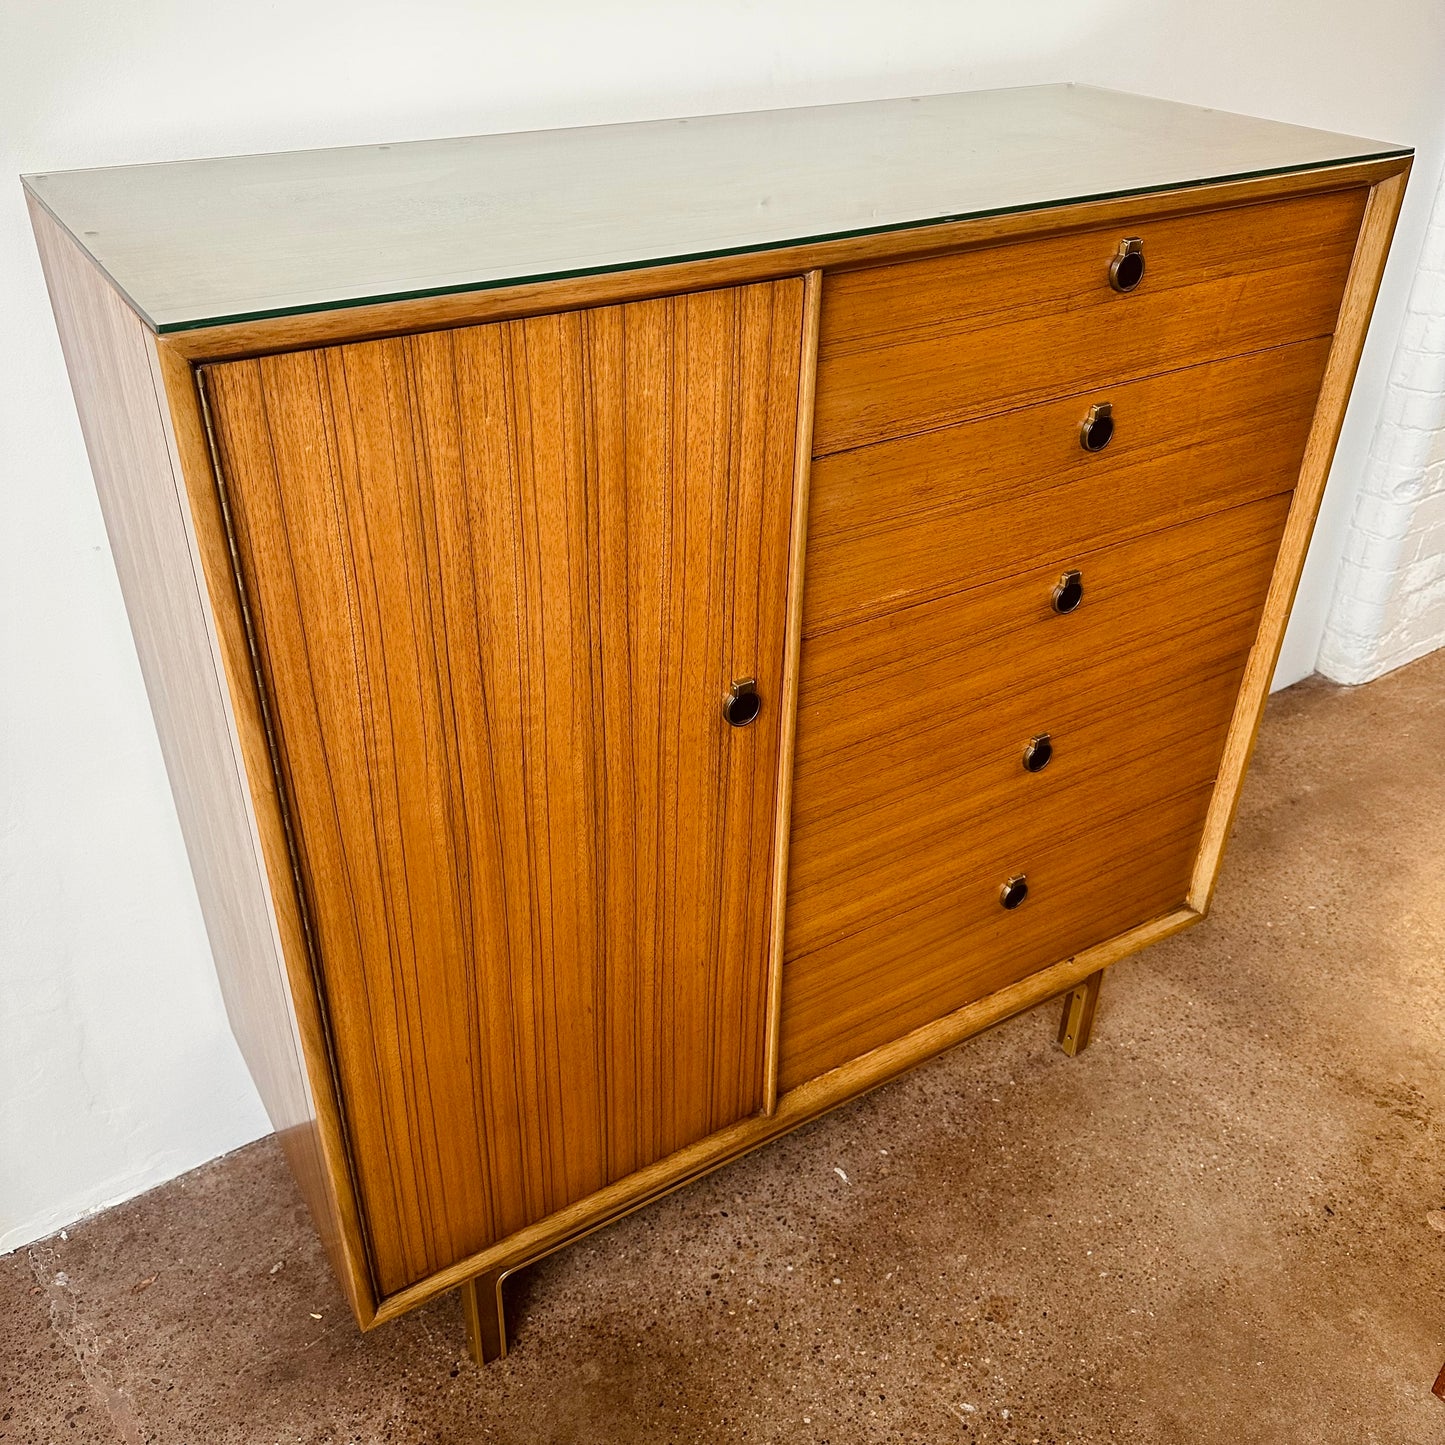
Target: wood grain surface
<point x="909" y="969"/>
<point x="503" y="578"/>
<point x="138" y="456"/>
<point x="916" y="518"/>
<point x="910" y="792"/>
<point x="788" y="697"/>
<point x="910" y="347"/>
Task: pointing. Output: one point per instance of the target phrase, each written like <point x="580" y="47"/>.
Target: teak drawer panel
<point x="910" y="347"/>
<point x="911" y="967"/>
<point x="909" y="784"/>
<point x="922" y="516"/>
<point x="913" y="821"/>
<point x="884" y="679"/>
<point x="502" y="577"/>
<point x="911" y="728"/>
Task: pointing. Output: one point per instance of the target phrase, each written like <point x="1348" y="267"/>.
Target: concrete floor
<point x="1222" y="1223"/>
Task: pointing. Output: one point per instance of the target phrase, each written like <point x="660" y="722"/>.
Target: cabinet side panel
<point x="1367" y="266"/>
<point x="114" y="373"/>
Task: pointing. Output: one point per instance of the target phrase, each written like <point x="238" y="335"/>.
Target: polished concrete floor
<point x="1225" y="1222"/>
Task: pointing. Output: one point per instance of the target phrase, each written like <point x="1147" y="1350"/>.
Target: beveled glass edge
<point x="500" y="283"/>
<point x="351" y="303"/>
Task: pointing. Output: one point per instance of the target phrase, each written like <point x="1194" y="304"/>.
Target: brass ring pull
<point x="1096" y="430"/>
<point x="1069" y="592"/>
<point x="743" y="703"/>
<point x="1126" y="270"/>
<point x="1014" y="891"/>
<point x="1038" y="753"/>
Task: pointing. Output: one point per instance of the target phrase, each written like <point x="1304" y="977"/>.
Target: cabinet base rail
<point x="483" y="1309"/>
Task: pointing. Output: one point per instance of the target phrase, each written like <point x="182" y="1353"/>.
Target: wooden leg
<point x="482" y="1311"/>
<point x="1078" y="1021"/>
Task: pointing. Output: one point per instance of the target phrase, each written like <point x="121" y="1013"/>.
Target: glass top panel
<point x="195" y="243"/>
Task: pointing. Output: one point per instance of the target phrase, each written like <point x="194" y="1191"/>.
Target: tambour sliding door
<point x="501" y="580"/>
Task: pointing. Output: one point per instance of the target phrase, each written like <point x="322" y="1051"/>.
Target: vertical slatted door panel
<point x="500" y="579"/>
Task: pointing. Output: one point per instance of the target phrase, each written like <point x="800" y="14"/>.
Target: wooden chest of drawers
<point x="639" y="669"/>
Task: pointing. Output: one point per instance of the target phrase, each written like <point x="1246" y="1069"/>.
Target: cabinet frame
<point x="143" y="414"/>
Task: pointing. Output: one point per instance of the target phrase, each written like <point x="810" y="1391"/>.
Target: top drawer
<point x="910" y="347"/>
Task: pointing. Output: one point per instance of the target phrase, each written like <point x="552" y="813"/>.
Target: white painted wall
<point x="115" y="1068"/>
<point x="1389" y="599"/>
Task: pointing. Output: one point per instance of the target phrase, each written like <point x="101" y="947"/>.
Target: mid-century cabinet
<point x="656" y="629"/>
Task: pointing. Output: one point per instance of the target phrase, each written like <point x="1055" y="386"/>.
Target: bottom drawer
<point x="912" y="807"/>
<point x="908" y="969"/>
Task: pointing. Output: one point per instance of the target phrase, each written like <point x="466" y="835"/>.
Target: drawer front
<point x="910" y="791"/>
<point x="922" y="516"/>
<point x="903" y="971"/>
<point x="912" y="347"/>
<point x="502" y="578"/>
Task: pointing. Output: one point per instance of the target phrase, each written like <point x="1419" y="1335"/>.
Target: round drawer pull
<point x="1069" y="592"/>
<point x="1096" y="430"/>
<point x="1126" y="270"/>
<point x="744" y="702"/>
<point x="1014" y="891"/>
<point x="1038" y="753"/>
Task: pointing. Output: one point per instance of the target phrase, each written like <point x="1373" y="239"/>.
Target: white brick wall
<point x="1389" y="601"/>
